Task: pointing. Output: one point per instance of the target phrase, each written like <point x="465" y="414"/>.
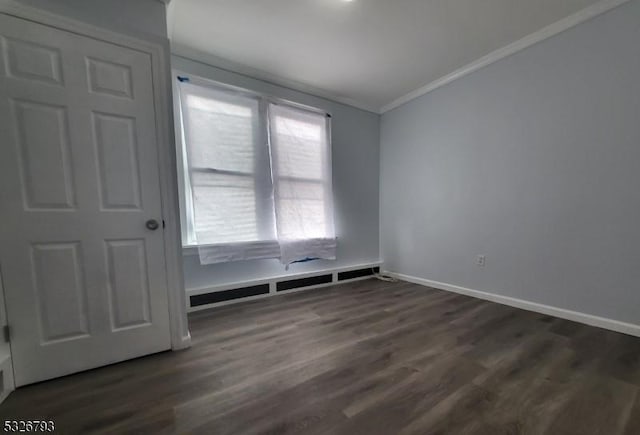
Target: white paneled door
<point x="82" y="246"/>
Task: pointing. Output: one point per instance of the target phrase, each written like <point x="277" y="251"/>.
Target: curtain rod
<point x="271" y="98"/>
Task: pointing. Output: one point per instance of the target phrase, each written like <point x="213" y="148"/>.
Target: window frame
<point x="187" y="229"/>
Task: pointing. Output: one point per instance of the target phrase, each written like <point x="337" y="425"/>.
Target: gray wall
<point x="355" y="153"/>
<point x="142" y="18"/>
<point x="533" y="161"/>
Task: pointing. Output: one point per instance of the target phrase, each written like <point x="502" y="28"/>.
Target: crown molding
<point x="545" y="33"/>
<point x="529" y="40"/>
<point x="188" y="53"/>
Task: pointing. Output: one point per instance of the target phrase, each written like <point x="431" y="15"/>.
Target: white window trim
<point x="189" y="245"/>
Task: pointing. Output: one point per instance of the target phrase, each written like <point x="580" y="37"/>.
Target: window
<point x="257" y="176"/>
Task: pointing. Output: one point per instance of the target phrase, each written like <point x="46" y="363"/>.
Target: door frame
<point x="158" y="50"/>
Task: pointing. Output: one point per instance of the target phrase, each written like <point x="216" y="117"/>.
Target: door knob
<point x="152" y="224"/>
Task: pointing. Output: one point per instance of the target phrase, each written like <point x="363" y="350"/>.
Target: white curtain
<point x="258" y="177"/>
<point x="301" y="172"/>
<point x="229" y="175"/>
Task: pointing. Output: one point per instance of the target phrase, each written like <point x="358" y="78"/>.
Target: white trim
<point x="194" y="55"/>
<point x="547" y="32"/>
<point x="6" y="374"/>
<point x="272" y="285"/>
<point x="180" y="335"/>
<point x="6" y="361"/>
<point x="170" y="14"/>
<point x="575" y="316"/>
<point x="158" y="50"/>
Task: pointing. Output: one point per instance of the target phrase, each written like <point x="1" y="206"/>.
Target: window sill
<point x="189" y="250"/>
<point x="193" y="250"/>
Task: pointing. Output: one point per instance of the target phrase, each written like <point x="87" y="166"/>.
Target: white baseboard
<point x="588" y="319"/>
<point x="185" y="342"/>
<point x="6" y="372"/>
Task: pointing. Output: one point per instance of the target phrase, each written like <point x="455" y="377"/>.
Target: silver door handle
<point x="152" y="224"/>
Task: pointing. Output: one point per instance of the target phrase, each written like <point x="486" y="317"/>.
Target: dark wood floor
<point x="362" y="358"/>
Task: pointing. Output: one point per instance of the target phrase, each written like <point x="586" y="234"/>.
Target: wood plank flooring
<point x="363" y="358"/>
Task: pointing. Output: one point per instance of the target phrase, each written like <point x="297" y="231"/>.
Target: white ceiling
<point x="366" y="52"/>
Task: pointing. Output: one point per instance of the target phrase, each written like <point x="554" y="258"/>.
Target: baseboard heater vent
<point x="352" y="274"/>
<point x="227" y="295"/>
<point x="303" y="282"/>
<point x="275" y="285"/>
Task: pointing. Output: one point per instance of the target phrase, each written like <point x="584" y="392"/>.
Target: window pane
<point x="224" y="208"/>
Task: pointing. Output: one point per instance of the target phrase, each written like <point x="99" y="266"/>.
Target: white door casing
<point x="6" y="368"/>
<point x="84" y="279"/>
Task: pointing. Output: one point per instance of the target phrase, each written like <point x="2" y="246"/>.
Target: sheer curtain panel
<point x="301" y="172"/>
<point x="229" y="172"/>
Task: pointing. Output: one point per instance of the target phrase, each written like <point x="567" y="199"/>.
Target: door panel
<point x="32" y="61"/>
<point x="44" y="159"/>
<point x="84" y="280"/>
<point x="60" y="291"/>
<point x="109" y="78"/>
<point x="115" y="138"/>
<point x="128" y="286"/>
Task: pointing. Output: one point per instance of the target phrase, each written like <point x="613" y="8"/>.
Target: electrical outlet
<point x="480" y="260"/>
